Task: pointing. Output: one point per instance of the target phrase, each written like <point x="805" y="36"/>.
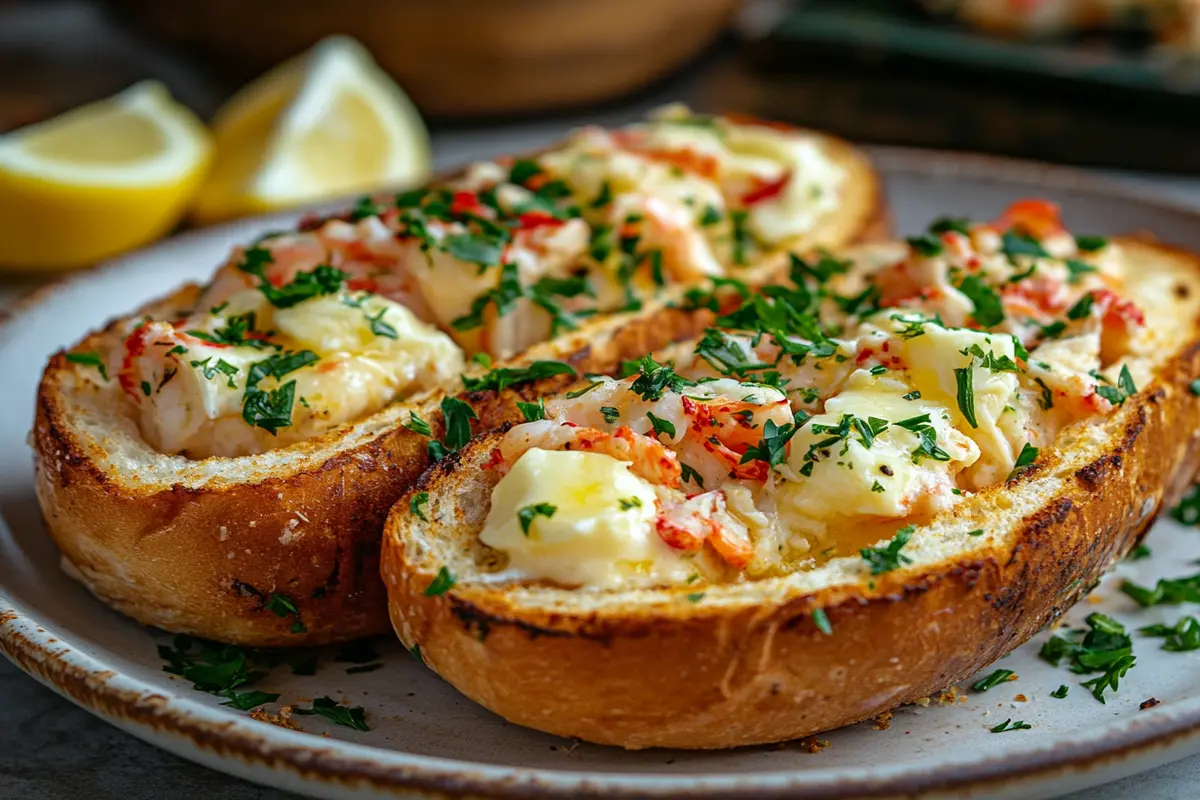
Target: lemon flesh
<point x="328" y="123"/>
<point x="99" y="180"/>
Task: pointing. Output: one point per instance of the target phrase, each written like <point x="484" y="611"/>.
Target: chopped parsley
<point x="456" y="416"/>
<point x="379" y="327"/>
<point x="419" y="501"/>
<point x="689" y="473"/>
<point x="237" y="332"/>
<point x="1060" y="692"/>
<point x="248" y="701"/>
<point x="1118" y="394"/>
<point x="1139" y="552"/>
<point x="610" y="414"/>
<point x="209" y="371"/>
<point x="628" y="503"/>
<point x="655" y="379"/>
<point x="1076" y="269"/>
<point x="995" y="679"/>
<point x="1168" y="591"/>
<point x="418" y="425"/>
<point x="283" y="606"/>
<point x="741" y="239"/>
<point x="1105" y="648"/>
<point x="926" y="245"/>
<point x="960" y="225"/>
<point x="1090" y="244"/>
<point x="320" y="280"/>
<point x="1014" y="244"/>
<point x="1025" y="459"/>
<point x="532" y="412"/>
<point x="209" y="666"/>
<point x="661" y="426"/>
<point x="1046" y="401"/>
<point x="1009" y="725"/>
<point x="1183" y="636"/>
<point x="989" y="311"/>
<point x="365" y="207"/>
<point x="345" y="716"/>
<point x="502" y="377"/>
<point x="272" y="410"/>
<point x="821" y="620"/>
<point x="582" y="391"/>
<point x="772" y="447"/>
<point x="1082" y="307"/>
<point x="89" y="358"/>
<point x="526" y="515"/>
<point x="1188" y="510"/>
<point x="886" y="559"/>
<point x="441" y="583"/>
<point x="503" y="295"/>
<point x="966" y="392"/>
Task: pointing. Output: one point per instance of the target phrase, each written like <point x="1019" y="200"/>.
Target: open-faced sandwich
<point x="859" y="486"/>
<point x="220" y="462"/>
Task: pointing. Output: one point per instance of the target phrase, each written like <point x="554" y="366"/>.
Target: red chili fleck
<point x="538" y="219"/>
<point x="766" y="190"/>
<point x="362" y="285"/>
<point x="464" y="203"/>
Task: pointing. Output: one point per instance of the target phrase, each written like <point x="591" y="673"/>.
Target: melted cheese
<point x="849" y="479"/>
<point x="591" y="538"/>
<point x="934" y="361"/>
<point x="369" y="351"/>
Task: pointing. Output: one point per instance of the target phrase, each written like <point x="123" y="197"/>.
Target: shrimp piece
<point x="1037" y="218"/>
<point x="671" y="228"/>
<point x="726" y="429"/>
<point x="701" y="519"/>
<point x="648" y="458"/>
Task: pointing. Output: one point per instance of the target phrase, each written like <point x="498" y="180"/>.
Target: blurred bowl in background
<point x="458" y="58"/>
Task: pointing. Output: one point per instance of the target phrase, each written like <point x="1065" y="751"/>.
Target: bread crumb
<point x="946" y="697"/>
<point x="813" y="745"/>
<point x="1021" y="698"/>
<point x="252" y="523"/>
<point x="1094" y="599"/>
<point x="283" y="719"/>
<point x="222" y="533"/>
<point x="1149" y="703"/>
<point x="884" y="721"/>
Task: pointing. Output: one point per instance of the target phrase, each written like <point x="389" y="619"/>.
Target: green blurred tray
<point x="879" y="70"/>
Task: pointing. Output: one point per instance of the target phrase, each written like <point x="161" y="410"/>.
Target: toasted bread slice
<point x="764" y="660"/>
<point x="281" y="548"/>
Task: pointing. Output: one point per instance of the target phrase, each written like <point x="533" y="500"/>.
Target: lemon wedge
<point x="98" y="180"/>
<point x="327" y="123"/>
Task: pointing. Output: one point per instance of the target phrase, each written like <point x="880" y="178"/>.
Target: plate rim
<point x="204" y="734"/>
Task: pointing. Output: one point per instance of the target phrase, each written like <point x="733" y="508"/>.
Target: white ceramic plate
<point x="429" y="741"/>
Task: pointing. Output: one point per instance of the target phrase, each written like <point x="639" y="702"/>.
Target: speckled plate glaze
<point x="428" y="741"/>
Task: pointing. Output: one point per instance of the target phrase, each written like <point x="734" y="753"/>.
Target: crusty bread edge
<point x="203" y="556"/>
<point x="730" y="671"/>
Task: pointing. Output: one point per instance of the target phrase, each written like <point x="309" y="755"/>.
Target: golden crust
<point x="746" y="667"/>
<point x="204" y="556"/>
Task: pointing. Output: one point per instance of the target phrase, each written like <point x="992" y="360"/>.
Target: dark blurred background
<point x="1048" y="79"/>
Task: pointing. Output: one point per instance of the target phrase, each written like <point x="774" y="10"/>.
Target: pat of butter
<point x="592" y="538"/>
